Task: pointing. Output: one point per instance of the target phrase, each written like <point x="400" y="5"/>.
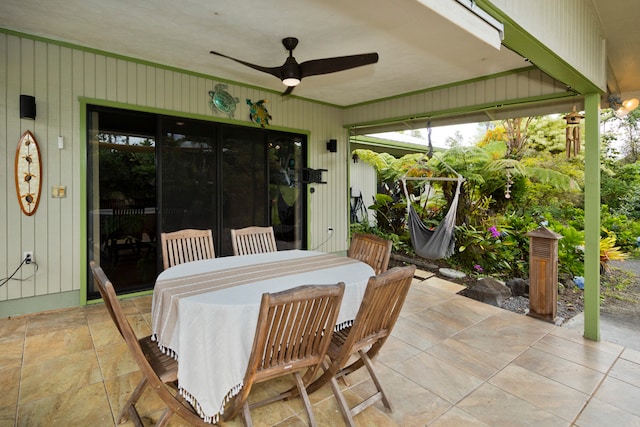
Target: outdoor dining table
<point x="204" y="313"/>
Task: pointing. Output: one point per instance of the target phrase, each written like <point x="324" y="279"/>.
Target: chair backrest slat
<point x="371" y="249"/>
<point x="187" y="245"/>
<point x="253" y="240"/>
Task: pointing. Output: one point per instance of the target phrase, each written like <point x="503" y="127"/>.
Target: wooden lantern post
<point x="543" y="274"/>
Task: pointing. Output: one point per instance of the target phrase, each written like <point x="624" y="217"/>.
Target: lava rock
<point x="519" y="287"/>
<point x="489" y="291"/>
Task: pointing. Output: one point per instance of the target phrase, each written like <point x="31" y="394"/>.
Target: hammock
<point x="286" y="212"/>
<point x="437" y="243"/>
<point x="440" y="242"/>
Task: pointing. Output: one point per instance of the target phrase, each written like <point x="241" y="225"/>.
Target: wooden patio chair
<point x="371" y="249"/>
<point x="186" y="245"/>
<point x="381" y="305"/>
<point x="253" y="240"/>
<point x="159" y="371"/>
<point x="293" y="332"/>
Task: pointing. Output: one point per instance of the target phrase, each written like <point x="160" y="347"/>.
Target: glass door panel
<point x="188" y="175"/>
<point x="285" y="153"/>
<point x="122" y="197"/>
<point x="244" y="181"/>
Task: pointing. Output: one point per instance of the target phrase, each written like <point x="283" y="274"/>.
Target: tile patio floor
<point x="451" y="361"/>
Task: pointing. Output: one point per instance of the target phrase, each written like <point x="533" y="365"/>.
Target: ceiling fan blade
<point x="339" y="63"/>
<point x="288" y="91"/>
<point x="274" y="71"/>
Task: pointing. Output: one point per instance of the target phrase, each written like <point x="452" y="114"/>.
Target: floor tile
<point x="115" y="360"/>
<point x="423" y="274"/>
<point x="445" y="285"/>
<point x="562" y="370"/>
<point x="553" y="397"/>
<point x="578" y="338"/>
<point x="13" y="327"/>
<point x="53" y="320"/>
<point x="413" y="405"/>
<point x="143" y="303"/>
<point x="467" y="358"/>
<point x="448" y="317"/>
<point x="585" y="355"/>
<point x="499" y="336"/>
<point x="498" y="408"/>
<point x="416" y="334"/>
<point x="419" y="301"/>
<point x="631" y="355"/>
<point x="599" y="413"/>
<point x="626" y="371"/>
<point x="9" y="387"/>
<point x="396" y="351"/>
<point x="84" y="406"/>
<point x="439" y="377"/>
<point x="56" y="343"/>
<point x="8" y="415"/>
<point x="120" y="388"/>
<point x="59" y="375"/>
<point x="455" y="417"/>
<point x="11" y="352"/>
<point x="620" y="394"/>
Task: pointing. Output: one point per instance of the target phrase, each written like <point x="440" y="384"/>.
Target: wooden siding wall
<point x="470" y="96"/>
<point x="59" y="76"/>
<point x="570" y="28"/>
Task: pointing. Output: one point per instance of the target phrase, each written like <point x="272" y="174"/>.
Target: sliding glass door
<point x="150" y="173"/>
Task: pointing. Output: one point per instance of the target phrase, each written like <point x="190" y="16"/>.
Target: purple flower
<point x="478" y="268"/>
<point x="494" y="232"/>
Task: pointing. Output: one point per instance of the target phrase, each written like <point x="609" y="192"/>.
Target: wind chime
<point x="573" y="132"/>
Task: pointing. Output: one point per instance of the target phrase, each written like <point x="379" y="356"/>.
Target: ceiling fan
<point x="291" y="72"/>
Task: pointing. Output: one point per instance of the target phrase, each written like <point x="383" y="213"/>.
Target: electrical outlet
<point x="27" y="257"/>
<point x="329" y="230"/>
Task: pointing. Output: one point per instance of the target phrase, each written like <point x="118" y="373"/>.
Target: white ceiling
<point x="621" y="22"/>
<point x="418" y="48"/>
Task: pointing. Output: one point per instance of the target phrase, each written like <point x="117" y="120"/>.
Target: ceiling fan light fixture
<point x="630" y="104"/>
<point x="291" y="81"/>
<point x="622" y="108"/>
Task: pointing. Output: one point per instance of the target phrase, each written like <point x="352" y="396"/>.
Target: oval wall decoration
<point x="28" y="173"/>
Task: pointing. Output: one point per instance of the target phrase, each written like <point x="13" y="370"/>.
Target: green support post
<point x="592" y="218"/>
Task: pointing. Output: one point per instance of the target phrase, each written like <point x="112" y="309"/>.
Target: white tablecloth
<point x="205" y="313"/>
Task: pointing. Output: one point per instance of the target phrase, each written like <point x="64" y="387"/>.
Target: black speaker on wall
<point x="332" y="145"/>
<point x="27" y="107"/>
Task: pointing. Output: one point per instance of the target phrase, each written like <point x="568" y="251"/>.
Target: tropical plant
<point x="389" y="213"/>
<point x="609" y="252"/>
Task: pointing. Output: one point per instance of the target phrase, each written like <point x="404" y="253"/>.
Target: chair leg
<point x="342" y="403"/>
<point x="129" y="410"/>
<point x="164" y="418"/>
<point x="369" y="365"/>
<point x="246" y="415"/>
<point x="305" y="398"/>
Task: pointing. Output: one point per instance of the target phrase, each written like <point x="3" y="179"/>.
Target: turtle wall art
<point x="222" y="101"/>
<point x="258" y="112"/>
